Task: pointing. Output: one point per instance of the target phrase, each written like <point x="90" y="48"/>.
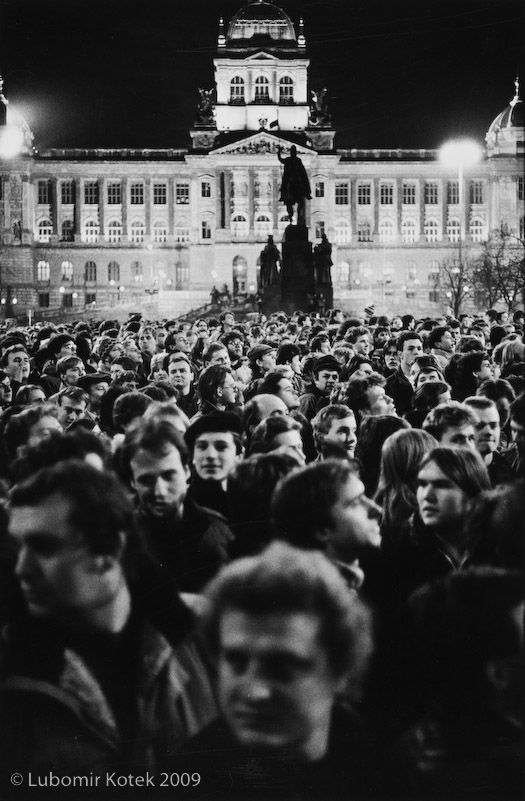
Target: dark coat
<point x="400" y="390"/>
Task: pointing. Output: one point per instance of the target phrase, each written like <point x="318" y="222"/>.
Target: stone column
<point x="147" y="207"/>
<point x="53" y="204"/>
<point x="124" y="207"/>
<point x="375" y="201"/>
<point x="421" y="198"/>
<point x="352" y="188"/>
<point x="171" y="206"/>
<point x="27" y="210"/>
<point x="399" y="206"/>
<point x="101" y="208"/>
<point x="77" y="189"/>
<point x="251" y="203"/>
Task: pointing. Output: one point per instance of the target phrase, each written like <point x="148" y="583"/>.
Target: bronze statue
<point x="323" y="261"/>
<point x="319" y="113"/>
<point x="270" y="258"/>
<point x="205" y="107"/>
<point x="295" y="186"/>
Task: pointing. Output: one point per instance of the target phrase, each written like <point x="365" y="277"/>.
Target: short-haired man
<point x="335" y="425"/>
<point x="72" y="405"/>
<point x="15" y="362"/>
<point x="275" y="383"/>
<point x="190" y="541"/>
<point x="453" y="425"/>
<point x="326" y="372"/>
<point x="515" y="453"/>
<point x="359" y="338"/>
<point x="487" y="438"/>
<point x="181" y="376"/>
<point x="286" y="634"/>
<point x="96" y="385"/>
<point x="69" y="369"/>
<point x="441" y="345"/>
<point x="367" y="397"/>
<point x="398" y="385"/>
<point x="88" y="681"/>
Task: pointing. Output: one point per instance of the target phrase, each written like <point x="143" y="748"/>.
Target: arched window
<point x="45" y="229"/>
<point x="282" y="222"/>
<point x="261" y="89"/>
<point x="431" y="231"/>
<point x="286" y="90"/>
<point x="91" y="232"/>
<point x="114" y="232"/>
<point x="237" y="90"/>
<point x="160" y="233"/>
<point x="137" y="232"/>
<point x="66" y="271"/>
<point x="113" y="272"/>
<point x="386" y="232"/>
<point x="137" y="273"/>
<point x="90" y="272"/>
<point x="263" y="225"/>
<point x="453" y="230"/>
<point x="409" y="231"/>
<point x="477" y="230"/>
<point x="43" y="271"/>
<point x="344" y="273"/>
<point x="342" y="232"/>
<point x="364" y="232"/>
<point x="239" y="225"/>
<point x="68" y="231"/>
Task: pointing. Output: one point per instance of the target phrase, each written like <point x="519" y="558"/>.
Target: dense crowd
<point x="272" y="559"/>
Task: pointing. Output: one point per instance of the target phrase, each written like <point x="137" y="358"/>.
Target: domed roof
<point x="511" y="117"/>
<point x="261" y="19"/>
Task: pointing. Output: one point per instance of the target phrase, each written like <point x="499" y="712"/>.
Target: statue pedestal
<point x="272" y="301"/>
<point x="297" y="272"/>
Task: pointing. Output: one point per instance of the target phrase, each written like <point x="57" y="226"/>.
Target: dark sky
<point x="125" y="73"/>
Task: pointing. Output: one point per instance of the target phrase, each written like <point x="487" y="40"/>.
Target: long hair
<point x="463" y="466"/>
<point x="373" y="432"/>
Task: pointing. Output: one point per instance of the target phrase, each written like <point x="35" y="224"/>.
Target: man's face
<point x="485" y="371"/>
<point x="181" y="342"/>
<point x="391" y="358"/>
<point x="462" y="436"/>
<point x="96" y="393"/>
<point x="214" y="455"/>
<point x="441" y="502"/>
<point x="488" y="430"/>
<point x="147" y="342"/>
<point x="296" y="364"/>
<point x="71" y="376"/>
<point x="271" y="405"/>
<point x="379" y="402"/>
<point x="446" y="342"/>
<point x="229" y="319"/>
<point x="160" y="338"/>
<point x="503" y="407"/>
<point x="362" y="345"/>
<point x="71" y="410"/>
<point x="288" y="393"/>
<point x="115" y="370"/>
<point x="160" y="480"/>
<point x="6" y="393"/>
<point x="518" y="436"/>
<point x="324" y="347"/>
<point x="57" y="573"/>
<point x="276" y="688"/>
<point x="18" y="365"/>
<point x="355" y="521"/>
<point x="221" y="357"/>
<point x="423" y="377"/>
<point x="67" y="349"/>
<point x="36" y="396"/>
<point x="363" y="371"/>
<point x="326" y="381"/>
<point x="412" y="348"/>
<point x="267" y="361"/>
<point x="180" y="375"/>
<point x="235" y="349"/>
<point x="344" y="433"/>
<point x="131" y="350"/>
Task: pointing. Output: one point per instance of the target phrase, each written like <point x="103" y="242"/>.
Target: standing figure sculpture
<point x="270" y="258"/>
<point x="323" y="261"/>
<point x="295" y="186"/>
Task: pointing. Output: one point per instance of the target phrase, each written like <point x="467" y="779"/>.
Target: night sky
<point x="125" y="73"/>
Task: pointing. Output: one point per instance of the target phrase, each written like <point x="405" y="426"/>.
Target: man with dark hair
<point x="326" y="371"/>
<point x="515" y="454"/>
<point x="181" y="376"/>
<point x="441" y="344"/>
<point x="366" y="397"/>
<point x="15" y="362"/>
<point x="72" y="405"/>
<point x="190" y="541"/>
<point x="487" y="438"/>
<point x="88" y="682"/>
<point x="453" y="425"/>
<point x="96" y="385"/>
<point x="290" y="354"/>
<point x="398" y="386"/>
<point x="275" y="383"/>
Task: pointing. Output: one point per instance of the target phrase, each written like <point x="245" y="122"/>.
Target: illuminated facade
<point x="99" y="228"/>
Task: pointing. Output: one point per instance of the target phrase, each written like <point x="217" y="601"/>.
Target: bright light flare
<point x="11" y="142"/>
<point x="460" y="153"/>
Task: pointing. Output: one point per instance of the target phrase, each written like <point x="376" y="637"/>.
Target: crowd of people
<point x="273" y="559"/>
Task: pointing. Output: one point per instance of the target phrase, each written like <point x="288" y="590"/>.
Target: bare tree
<point x="454" y="282"/>
<point x="499" y="272"/>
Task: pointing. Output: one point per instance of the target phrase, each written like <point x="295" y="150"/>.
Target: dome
<point x="261" y="20"/>
<point x="510" y="117"/>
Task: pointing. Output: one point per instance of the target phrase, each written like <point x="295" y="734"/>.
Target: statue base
<point x="297" y="273"/>
<point x="271" y="299"/>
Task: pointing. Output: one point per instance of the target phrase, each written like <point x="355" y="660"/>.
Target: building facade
<point x="89" y="230"/>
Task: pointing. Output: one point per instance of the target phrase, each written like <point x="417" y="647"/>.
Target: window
<point x="364" y="232"/>
<point x="114" y="232"/>
<point x="43" y="300"/>
<point x="237" y="90"/>
<point x="43" y="188"/>
<point x="433" y="270"/>
<point x="67" y="231"/>
<point x="341" y="194"/>
<point x="90" y="271"/>
<point x="387" y="233"/>
<point x="91" y="232"/>
<point x="453" y="193"/>
<point x="160" y="233"/>
<point x="239" y="225"/>
<point x="91" y="193"/>
<point x="137" y="273"/>
<point x="319" y="189"/>
<point x="476" y="192"/>
<point x="262" y="226"/>
<point x="453" y="230"/>
<point x="386" y="194"/>
<point x="342" y="232"/>
<point x="344" y="273"/>
<point x="67" y="193"/>
<point x="522" y="227"/>
<point x="205" y="189"/>
<point x="182" y="234"/>
<point x="136" y="194"/>
<point x="433" y="296"/>
<point x="43" y="271"/>
<point x="66" y="271"/>
<point x="477" y="230"/>
<point x="45" y="229"/>
<point x="182" y="275"/>
<point x="67" y="300"/>
<point x="521" y="188"/>
<point x="286" y="90"/>
<point x="205" y="230"/>
<point x="182" y="194"/>
<point x="113" y="272"/>
<point x="136" y="232"/>
<point x="409" y="231"/>
<point x="431" y="231"/>
<point x="114" y="194"/>
<point x="364" y="194"/>
<point x="91" y="298"/>
<point x="365" y="271"/>
<point x="409" y="194"/>
<point x="319" y="229"/>
<point x="411" y="271"/>
<point x="261" y="89"/>
<point x="431" y="193"/>
<point x="160" y="194"/>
